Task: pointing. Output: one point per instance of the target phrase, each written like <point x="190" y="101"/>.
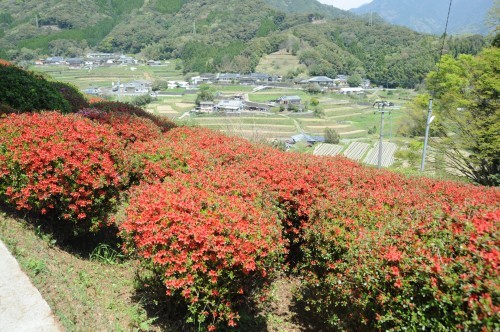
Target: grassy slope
<point x="96" y="295"/>
<point x="83" y="294"/>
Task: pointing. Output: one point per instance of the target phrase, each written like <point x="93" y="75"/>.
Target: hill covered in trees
<point x="429" y="16"/>
<point x="229" y="35"/>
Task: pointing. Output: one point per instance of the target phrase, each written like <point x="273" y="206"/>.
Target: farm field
<point x="104" y="76"/>
<point x="351" y="116"/>
<point x="279" y="63"/>
<point x="388" y="151"/>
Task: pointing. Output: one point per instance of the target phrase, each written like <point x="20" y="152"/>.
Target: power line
<point x="429" y="113"/>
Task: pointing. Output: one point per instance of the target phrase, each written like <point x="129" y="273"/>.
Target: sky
<point x="345" y="4"/>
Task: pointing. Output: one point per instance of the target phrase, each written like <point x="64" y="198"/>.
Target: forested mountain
<point x="429" y="16"/>
<point x="224" y="35"/>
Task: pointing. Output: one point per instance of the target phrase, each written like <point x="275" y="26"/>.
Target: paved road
<point x="22" y="308"/>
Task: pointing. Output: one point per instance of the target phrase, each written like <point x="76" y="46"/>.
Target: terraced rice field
<point x="325" y="149"/>
<point x="356" y="150"/>
<point x="388" y="151"/>
<point x="250" y="126"/>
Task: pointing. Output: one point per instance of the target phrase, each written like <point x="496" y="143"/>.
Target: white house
<point x="347" y="91"/>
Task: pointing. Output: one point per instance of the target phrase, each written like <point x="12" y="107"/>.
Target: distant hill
<point x="429" y="16"/>
<point x="224" y="36"/>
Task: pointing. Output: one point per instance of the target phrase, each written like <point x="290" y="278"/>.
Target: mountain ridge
<point x="223" y="35"/>
<point x="429" y="16"/>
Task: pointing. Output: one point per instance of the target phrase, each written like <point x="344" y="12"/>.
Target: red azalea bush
<point x="122" y="108"/>
<point x="129" y="127"/>
<point x="376" y="250"/>
<point x="67" y="165"/>
<point x="74" y="97"/>
<point x="403" y="253"/>
<point x="213" y="235"/>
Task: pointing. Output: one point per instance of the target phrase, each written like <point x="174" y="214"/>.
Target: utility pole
<point x="381" y="109"/>
<point x="36" y="20"/>
<point x="430" y="118"/>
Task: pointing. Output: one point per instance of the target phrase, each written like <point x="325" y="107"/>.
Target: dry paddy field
<point x="250" y="126"/>
<point x="279" y="63"/>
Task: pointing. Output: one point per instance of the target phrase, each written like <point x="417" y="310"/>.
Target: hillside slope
<point x="429" y="16"/>
<point x="222" y="35"/>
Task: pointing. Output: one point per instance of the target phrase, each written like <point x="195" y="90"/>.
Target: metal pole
<point x="422" y="165"/>
<point x="381" y="135"/>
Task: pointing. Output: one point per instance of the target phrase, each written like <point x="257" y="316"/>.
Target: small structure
<point x="307" y="138"/>
<point x="177" y="84"/>
<point x="92" y="91"/>
<point x="289" y="100"/>
<point x="340" y="80"/>
<point x="56" y="60"/>
<point x="127" y="60"/>
<point x="75" y="62"/>
<point x="227" y="77"/>
<point x="254" y="106"/>
<point x="141" y="87"/>
<point x="347" y="91"/>
<point x="206" y="107"/>
<point x="320" y="80"/>
<point x="229" y="106"/>
<point x="153" y="63"/>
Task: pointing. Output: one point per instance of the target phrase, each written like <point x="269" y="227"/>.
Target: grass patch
<point x="99" y="289"/>
<point x="93" y="292"/>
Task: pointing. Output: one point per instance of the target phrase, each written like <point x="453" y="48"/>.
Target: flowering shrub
<point x="214" y="216"/>
<point x="129" y="127"/>
<point x="5" y="63"/>
<point x="74" y="97"/>
<point x="213" y="235"/>
<point x="94" y="99"/>
<point x="66" y="165"/>
<point x="122" y="108"/>
<point x="403" y="253"/>
<point x="376" y="250"/>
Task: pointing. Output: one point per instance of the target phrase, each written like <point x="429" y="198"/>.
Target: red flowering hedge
<point x="213" y="235"/>
<point x="214" y="216"/>
<point x="403" y="253"/>
<point x="66" y="165"/>
<point x="122" y="108"/>
<point x="376" y="250"/>
<point x="131" y="128"/>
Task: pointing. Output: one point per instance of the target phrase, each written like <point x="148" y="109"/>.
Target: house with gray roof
<point x="289" y="100"/>
<point x="321" y="80"/>
<point x="227" y="77"/>
<point x="229" y="106"/>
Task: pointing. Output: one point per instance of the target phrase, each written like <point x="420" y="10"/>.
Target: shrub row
<point x="23" y="91"/>
<point x="213" y="237"/>
<point x="214" y="217"/>
<point x="66" y="166"/>
<point x="376" y="250"/>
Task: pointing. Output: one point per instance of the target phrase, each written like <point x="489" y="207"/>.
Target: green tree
<point x="354" y="80"/>
<point x="331" y="136"/>
<point x="206" y="94"/>
<point x="466" y="92"/>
